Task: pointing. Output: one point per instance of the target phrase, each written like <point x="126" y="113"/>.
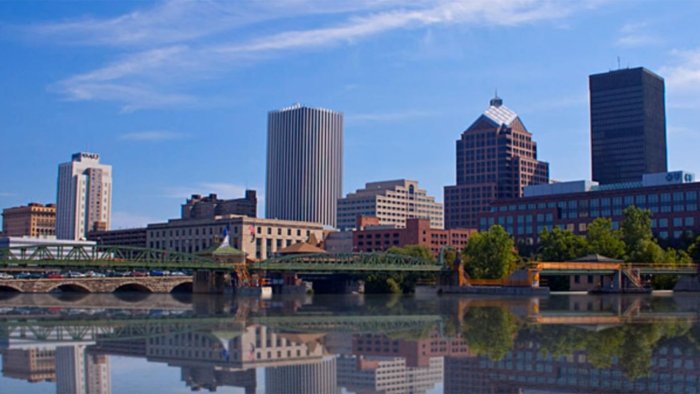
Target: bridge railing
<point x="101" y="255"/>
<point x="346" y="262"/>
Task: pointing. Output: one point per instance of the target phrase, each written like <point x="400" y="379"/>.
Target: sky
<point x="175" y="94"/>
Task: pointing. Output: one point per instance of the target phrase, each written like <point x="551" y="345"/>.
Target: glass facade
<point x="674" y="211"/>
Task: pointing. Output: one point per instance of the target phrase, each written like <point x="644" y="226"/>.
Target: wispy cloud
<point x="178" y="42"/>
<point x="152" y="135"/>
<point x="637" y="34"/>
<point x="682" y="76"/>
<point x="7" y="194"/>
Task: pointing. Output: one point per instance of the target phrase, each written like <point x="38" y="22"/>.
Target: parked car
<point x="6" y="276"/>
<point x="139" y="273"/>
<point x="28" y="275"/>
<point x="177" y="273"/>
<point x="54" y="275"/>
<point x="156" y="273"/>
<point x="93" y="274"/>
<point x="72" y="274"/>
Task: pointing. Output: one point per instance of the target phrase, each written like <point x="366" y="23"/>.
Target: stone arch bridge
<point x="162" y="284"/>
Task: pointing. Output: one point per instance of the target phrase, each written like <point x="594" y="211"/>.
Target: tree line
<point x="493" y="254"/>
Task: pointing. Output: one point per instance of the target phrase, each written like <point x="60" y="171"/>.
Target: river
<point x="150" y="343"/>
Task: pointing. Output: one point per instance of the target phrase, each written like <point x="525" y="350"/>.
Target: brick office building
<point x="671" y="197"/>
<point x="496" y="159"/>
<point x="372" y="237"/>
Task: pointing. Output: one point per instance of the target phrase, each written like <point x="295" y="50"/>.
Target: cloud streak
<point x="638" y="34"/>
<point x="682" y="77"/>
<point x="178" y="42"/>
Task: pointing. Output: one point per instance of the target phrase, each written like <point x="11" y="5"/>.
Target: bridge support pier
<point x="211" y="282"/>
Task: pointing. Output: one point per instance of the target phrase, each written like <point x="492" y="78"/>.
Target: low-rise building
<point x="373" y="237"/>
<point x="207" y="207"/>
<point x="134" y="237"/>
<point x="392" y="202"/>
<point x="58" y="247"/>
<point x="671" y="197"/>
<point x="258" y="238"/>
<point x="31" y="220"/>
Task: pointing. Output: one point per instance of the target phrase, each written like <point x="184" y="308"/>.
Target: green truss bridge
<point x="120" y="257"/>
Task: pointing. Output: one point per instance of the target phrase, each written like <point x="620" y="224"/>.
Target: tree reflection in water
<point x="501" y="339"/>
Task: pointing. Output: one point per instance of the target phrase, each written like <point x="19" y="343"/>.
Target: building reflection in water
<point x="641" y="345"/>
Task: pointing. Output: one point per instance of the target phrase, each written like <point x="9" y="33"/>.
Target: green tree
<point x="603" y="240"/>
<point x="636" y="229"/>
<point x="646" y="251"/>
<point x="561" y="245"/>
<point x="490" y="254"/>
<point x="694" y="250"/>
<point x="418" y="251"/>
<point x="449" y="256"/>
<point x="489" y="331"/>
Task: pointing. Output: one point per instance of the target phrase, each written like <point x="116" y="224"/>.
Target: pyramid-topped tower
<point x="496" y="158"/>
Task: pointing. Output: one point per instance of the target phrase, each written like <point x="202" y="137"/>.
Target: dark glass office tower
<point x="628" y="125"/>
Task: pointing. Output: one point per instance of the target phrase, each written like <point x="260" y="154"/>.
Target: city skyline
<point x="407" y="92"/>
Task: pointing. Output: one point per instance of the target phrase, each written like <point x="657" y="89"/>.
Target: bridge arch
<point x="133" y="287"/>
<point x="8" y="288"/>
<point x="184" y="287"/>
<point x="70" y="288"/>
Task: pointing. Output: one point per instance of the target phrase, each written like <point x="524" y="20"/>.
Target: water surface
<point x="137" y="343"/>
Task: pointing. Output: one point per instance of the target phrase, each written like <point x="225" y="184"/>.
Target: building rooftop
<point x="499" y="113"/>
<point x="648" y="180"/>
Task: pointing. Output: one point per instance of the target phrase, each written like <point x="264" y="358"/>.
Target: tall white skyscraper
<point x="84" y="200"/>
<point x="304" y="164"/>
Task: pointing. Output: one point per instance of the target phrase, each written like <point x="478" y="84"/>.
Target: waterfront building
<point x="32" y="220"/>
<point x="671" y="197"/>
<point x="33" y="364"/>
<point x="198" y="377"/>
<point x="338" y="242"/>
<point x="256" y="346"/>
<point x="84" y="198"/>
<point x="526" y="368"/>
<point x="416" y="352"/>
<point x="392" y="202"/>
<point x="78" y="371"/>
<point x="371" y="374"/>
<point x="304" y="164"/>
<point x="206" y="207"/>
<point x="628" y="125"/>
<point x="134" y="237"/>
<point x="258" y="238"/>
<point x="496" y="159"/>
<point x="52" y="242"/>
<point x="318" y="378"/>
<point x="370" y="236"/>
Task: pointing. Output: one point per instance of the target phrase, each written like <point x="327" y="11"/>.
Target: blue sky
<point x="174" y="95"/>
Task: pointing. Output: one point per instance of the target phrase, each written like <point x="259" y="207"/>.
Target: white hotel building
<point x="84" y="198"/>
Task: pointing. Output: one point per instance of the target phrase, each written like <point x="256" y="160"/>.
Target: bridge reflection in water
<point x="640" y="344"/>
